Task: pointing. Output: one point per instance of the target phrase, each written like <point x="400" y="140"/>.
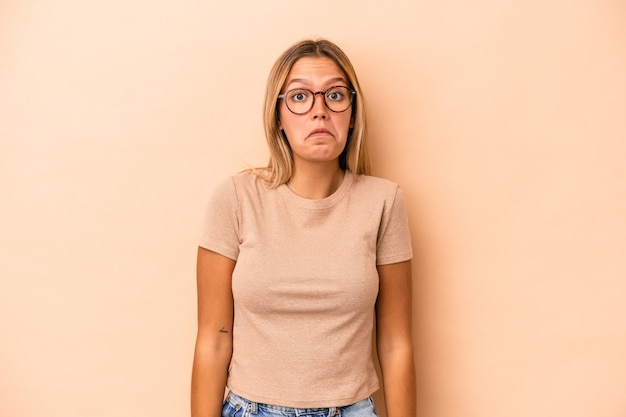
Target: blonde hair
<point x="354" y="157"/>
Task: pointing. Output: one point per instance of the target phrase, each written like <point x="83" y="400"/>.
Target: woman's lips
<point x="320" y="132"/>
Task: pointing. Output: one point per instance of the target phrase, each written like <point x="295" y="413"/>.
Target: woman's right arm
<point x="214" y="343"/>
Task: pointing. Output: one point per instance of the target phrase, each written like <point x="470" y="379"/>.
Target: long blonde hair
<point x="354" y="157"/>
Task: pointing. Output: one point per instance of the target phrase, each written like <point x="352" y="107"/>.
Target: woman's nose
<point x="319" y="106"/>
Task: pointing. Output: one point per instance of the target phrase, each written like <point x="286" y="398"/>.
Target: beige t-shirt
<point x="305" y="284"/>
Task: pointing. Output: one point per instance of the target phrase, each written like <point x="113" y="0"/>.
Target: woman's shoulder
<point x="243" y="183"/>
<point x="372" y="191"/>
<point x="250" y="179"/>
<point x="243" y="188"/>
<point x="243" y="179"/>
<point x="372" y="184"/>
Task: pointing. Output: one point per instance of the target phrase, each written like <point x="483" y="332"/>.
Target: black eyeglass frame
<point x="323" y="93"/>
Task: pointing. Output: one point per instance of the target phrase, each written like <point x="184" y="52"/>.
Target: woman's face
<point x="319" y="135"/>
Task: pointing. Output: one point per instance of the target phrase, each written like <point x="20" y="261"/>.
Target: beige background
<point x="503" y="121"/>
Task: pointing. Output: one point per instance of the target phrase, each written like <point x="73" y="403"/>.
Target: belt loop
<point x="253" y="407"/>
<point x="332" y="411"/>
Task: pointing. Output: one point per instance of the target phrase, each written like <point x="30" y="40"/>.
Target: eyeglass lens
<point x="301" y="100"/>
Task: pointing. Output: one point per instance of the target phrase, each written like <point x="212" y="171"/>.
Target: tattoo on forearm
<point x="223" y="330"/>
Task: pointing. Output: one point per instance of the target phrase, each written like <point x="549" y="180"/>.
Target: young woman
<point x="297" y="259"/>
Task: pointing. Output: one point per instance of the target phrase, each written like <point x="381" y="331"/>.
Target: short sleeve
<point x="220" y="228"/>
<point x="394" y="238"/>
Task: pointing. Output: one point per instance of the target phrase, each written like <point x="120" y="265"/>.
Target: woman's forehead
<point x="315" y="69"/>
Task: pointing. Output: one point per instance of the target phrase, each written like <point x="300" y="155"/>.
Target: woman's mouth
<point x="319" y="132"/>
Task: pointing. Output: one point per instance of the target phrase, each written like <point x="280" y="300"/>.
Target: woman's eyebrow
<point x="303" y="81"/>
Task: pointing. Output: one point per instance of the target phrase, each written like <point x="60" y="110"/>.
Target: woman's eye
<point x="299" y="96"/>
<point x="335" y="96"/>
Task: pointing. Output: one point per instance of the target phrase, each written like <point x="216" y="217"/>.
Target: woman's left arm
<point x="394" y="339"/>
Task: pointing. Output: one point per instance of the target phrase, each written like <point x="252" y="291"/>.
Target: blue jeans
<point x="236" y="406"/>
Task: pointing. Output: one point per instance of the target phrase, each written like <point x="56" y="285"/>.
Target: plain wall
<point x="504" y="123"/>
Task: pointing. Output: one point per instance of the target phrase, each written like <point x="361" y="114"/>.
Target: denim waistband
<point x="253" y="407"/>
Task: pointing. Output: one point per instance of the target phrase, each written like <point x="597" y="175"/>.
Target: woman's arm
<point x="394" y="338"/>
<point x="214" y="343"/>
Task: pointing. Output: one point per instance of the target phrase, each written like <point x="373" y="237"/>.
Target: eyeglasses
<point x="300" y="100"/>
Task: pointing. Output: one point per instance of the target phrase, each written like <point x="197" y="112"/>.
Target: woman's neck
<point x="315" y="182"/>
